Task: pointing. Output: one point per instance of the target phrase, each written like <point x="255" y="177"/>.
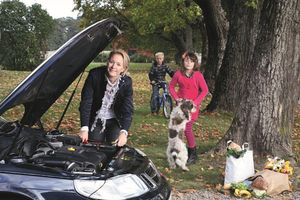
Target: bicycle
<point x="164" y="100"/>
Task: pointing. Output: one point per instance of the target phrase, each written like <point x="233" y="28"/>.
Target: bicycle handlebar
<point x="159" y="82"/>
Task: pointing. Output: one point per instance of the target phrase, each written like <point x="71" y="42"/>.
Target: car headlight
<point x="118" y="187"/>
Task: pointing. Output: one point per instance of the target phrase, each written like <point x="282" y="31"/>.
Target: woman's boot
<point x="192" y="156"/>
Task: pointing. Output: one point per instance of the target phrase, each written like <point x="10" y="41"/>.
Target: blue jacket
<point x="93" y="92"/>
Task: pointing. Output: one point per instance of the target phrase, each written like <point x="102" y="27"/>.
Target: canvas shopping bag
<point x="276" y="182"/>
<point x="239" y="169"/>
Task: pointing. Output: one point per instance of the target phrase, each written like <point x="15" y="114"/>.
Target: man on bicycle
<point x="157" y="78"/>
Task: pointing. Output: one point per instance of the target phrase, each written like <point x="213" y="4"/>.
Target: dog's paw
<point x="185" y="169"/>
<point x="172" y="166"/>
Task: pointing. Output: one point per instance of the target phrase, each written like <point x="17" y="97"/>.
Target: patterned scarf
<point x="106" y="112"/>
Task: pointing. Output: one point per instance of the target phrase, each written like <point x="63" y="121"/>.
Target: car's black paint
<point x="40" y="165"/>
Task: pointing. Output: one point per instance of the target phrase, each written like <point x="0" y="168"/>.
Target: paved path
<point x="213" y="195"/>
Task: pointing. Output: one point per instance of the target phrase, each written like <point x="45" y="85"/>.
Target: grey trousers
<point x="110" y="133"/>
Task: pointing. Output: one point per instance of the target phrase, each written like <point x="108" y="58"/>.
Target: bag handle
<point x="228" y="142"/>
<point x="245" y="146"/>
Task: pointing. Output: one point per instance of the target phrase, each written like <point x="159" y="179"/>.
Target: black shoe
<point x="192" y="156"/>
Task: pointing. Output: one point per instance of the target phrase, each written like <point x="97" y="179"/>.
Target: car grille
<point x="151" y="176"/>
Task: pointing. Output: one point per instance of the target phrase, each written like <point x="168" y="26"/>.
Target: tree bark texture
<point x="217" y="27"/>
<point x="204" y="51"/>
<point x="265" y="114"/>
<point x="239" y="49"/>
<point x="183" y="40"/>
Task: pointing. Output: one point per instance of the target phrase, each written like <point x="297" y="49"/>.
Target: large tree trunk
<point x="238" y="52"/>
<point x="217" y="27"/>
<point x="265" y="115"/>
<point x="183" y="41"/>
<point x="204" y="48"/>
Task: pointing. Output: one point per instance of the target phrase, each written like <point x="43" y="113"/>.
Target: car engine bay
<point x="64" y="153"/>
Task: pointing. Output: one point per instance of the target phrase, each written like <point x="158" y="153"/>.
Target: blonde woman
<point x="106" y="105"/>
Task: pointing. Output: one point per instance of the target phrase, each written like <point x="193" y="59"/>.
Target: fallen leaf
<point x="188" y="190"/>
<point x="219" y="187"/>
<point x="210" y="168"/>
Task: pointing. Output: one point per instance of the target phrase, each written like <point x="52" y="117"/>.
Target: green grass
<point x="133" y="66"/>
<point x="148" y="133"/>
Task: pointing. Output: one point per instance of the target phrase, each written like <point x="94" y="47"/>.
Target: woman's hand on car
<point x="122" y="140"/>
<point x="84" y="135"/>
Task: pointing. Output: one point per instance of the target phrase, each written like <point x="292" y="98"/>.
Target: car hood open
<point x="51" y="78"/>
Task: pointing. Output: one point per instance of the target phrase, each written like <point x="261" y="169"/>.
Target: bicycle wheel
<point x="167" y="106"/>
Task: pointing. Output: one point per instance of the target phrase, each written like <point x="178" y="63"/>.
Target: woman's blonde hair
<point x="126" y="59"/>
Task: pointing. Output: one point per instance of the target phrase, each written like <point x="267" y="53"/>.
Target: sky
<point x="55" y="8"/>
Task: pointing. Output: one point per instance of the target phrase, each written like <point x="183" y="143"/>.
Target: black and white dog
<point x="177" y="153"/>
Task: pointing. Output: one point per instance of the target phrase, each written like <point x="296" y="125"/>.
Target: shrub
<point x="102" y="57"/>
<point x="140" y="58"/>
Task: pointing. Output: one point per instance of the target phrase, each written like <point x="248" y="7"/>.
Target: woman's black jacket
<point x="93" y="92"/>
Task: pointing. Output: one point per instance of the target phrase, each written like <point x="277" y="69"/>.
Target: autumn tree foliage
<point x="169" y="26"/>
<point x="23" y="34"/>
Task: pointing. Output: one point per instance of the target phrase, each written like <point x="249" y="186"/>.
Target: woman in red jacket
<point x="192" y="86"/>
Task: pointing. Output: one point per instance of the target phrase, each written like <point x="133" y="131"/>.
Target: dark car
<point x="40" y="164"/>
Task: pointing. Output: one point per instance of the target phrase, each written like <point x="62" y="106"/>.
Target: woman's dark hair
<point x="193" y="57"/>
